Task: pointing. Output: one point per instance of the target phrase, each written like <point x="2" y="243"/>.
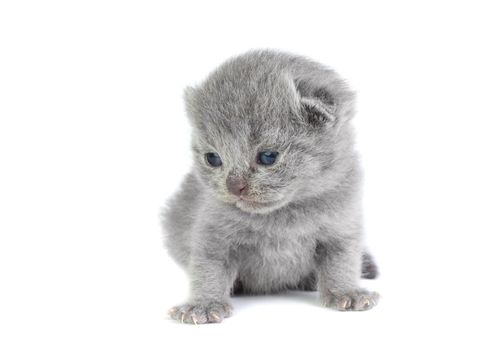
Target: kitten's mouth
<point x="250" y="205"/>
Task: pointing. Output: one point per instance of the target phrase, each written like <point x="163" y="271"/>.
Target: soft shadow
<point x="244" y="301"/>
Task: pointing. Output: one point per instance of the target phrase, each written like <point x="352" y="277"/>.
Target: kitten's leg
<point x="211" y="281"/>
<point x="369" y="269"/>
<point x="339" y="265"/>
<point x="308" y="283"/>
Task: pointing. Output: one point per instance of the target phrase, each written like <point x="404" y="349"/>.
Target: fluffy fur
<point x="298" y="223"/>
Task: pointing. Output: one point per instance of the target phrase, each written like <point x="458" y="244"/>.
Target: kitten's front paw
<point x="199" y="313"/>
<point x="358" y="300"/>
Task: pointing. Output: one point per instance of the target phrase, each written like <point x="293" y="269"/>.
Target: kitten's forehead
<point x="255" y="108"/>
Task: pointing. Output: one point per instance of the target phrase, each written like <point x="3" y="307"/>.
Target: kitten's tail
<point x="369" y="270"/>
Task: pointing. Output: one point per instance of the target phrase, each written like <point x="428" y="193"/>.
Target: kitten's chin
<point x="258" y="207"/>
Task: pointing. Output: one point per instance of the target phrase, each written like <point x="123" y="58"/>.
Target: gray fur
<point x="298" y="223"/>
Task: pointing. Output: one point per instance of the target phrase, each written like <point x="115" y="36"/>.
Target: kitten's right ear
<point x="190" y="96"/>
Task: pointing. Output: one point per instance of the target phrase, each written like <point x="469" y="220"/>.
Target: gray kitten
<point x="273" y="200"/>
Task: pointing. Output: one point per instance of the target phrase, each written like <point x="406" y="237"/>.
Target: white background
<point x="93" y="140"/>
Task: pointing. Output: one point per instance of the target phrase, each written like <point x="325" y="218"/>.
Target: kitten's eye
<point x="213" y="159"/>
<point x="267" y="158"/>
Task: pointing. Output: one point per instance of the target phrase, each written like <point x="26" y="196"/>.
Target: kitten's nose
<point x="237" y="185"/>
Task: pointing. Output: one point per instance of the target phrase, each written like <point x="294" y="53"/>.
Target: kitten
<point x="273" y="200"/>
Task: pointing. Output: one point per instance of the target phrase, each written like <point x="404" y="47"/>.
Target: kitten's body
<point x="298" y="224"/>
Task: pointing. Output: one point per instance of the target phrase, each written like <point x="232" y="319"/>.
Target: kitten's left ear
<point x="319" y="107"/>
<point x="324" y="105"/>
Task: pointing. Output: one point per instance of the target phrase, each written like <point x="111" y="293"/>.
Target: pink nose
<point x="237" y="185"/>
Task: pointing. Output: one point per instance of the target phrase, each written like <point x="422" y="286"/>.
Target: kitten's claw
<point x="216" y="317"/>
<point x="194" y="320"/>
<point x="211" y="312"/>
<point x="346" y="304"/>
<point x="358" y="300"/>
<point x="228" y="310"/>
<point x="172" y="311"/>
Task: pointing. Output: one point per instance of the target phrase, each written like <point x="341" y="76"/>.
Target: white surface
<point x="93" y="140"/>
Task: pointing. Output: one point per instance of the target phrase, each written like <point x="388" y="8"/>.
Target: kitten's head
<point x="269" y="129"/>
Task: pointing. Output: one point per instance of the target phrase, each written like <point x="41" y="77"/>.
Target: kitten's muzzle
<point x="237" y="185"/>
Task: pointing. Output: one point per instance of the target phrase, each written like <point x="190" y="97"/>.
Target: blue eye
<point x="213" y="159"/>
<point x="267" y="158"/>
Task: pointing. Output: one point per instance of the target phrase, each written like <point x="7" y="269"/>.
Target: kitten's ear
<point x="317" y="104"/>
<point x="190" y="98"/>
<point x="320" y="108"/>
<point x="321" y="105"/>
<point x="189" y="95"/>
